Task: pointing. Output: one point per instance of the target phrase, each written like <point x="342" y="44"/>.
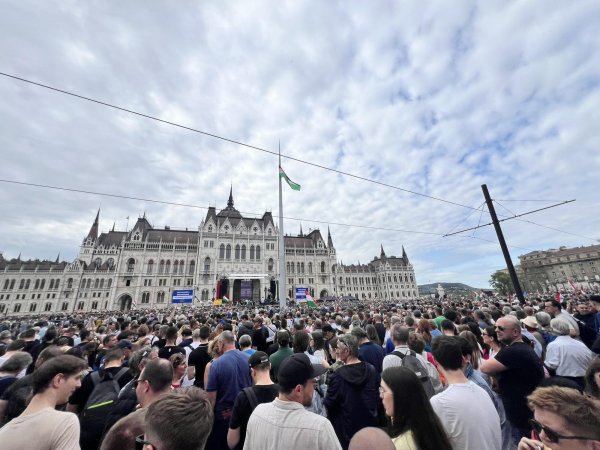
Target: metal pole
<point x="282" y="289"/>
<point x="509" y="264"/>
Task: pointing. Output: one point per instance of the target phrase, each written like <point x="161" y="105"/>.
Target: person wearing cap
<point x="263" y="391"/>
<point x="126" y="346"/>
<point x="284" y="423"/>
<point x="568" y="357"/>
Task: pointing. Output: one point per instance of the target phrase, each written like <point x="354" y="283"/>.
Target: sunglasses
<point x="140" y="441"/>
<point x="552" y="435"/>
<point x="500" y="328"/>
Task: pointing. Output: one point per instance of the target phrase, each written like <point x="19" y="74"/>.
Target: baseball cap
<point x="258" y="358"/>
<point x="124" y="343"/>
<point x="297" y="369"/>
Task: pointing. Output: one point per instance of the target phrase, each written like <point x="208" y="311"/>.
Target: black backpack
<point x="100" y="402"/>
<point x="410" y="361"/>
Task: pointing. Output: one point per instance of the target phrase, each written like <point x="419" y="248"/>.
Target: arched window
<point x="243" y="252"/>
<point x="181" y="266"/>
<point x="102" y="283"/>
<point x="204" y="295"/>
<point x="298" y="267"/>
<point x="70" y="283"/>
<point x="88" y="285"/>
<point x="98" y="262"/>
<point x="161" y="267"/>
<point x="32" y="307"/>
<point x="130" y="265"/>
<point x="95" y="305"/>
<point x="56" y="283"/>
<point x="222" y="251"/>
<point x="47" y="307"/>
<point x="22" y="283"/>
<point x="332" y="269"/>
<point x="252" y="252"/>
<point x="160" y="297"/>
<point x="51" y="284"/>
<point x="97" y="283"/>
<point x="12" y="283"/>
<point x="109" y="284"/>
<point x="322" y="266"/>
<point x="6" y="283"/>
<point x="42" y="284"/>
<point x="175" y="267"/>
<point x="210" y="228"/>
<point x="28" y="283"/>
<point x="258" y="252"/>
<point x="150" y="267"/>
<point x="269" y="232"/>
<point x="145" y="297"/>
<point x="310" y="268"/>
<point x="270" y="265"/>
<point x="237" y="251"/>
<point x="302" y="267"/>
<point x="111" y="263"/>
<point x="168" y="267"/>
<point x="207" y="264"/>
<point x="192" y="267"/>
<point x="287" y="267"/>
<point x="82" y="286"/>
<point x="17" y="308"/>
<point x="228" y="252"/>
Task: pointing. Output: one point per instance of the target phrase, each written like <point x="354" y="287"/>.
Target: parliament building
<point x="227" y="256"/>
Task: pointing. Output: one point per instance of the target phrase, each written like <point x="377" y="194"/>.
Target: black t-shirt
<point x="242" y="409"/>
<point x="524" y="372"/>
<point x="17" y="395"/>
<point x="272" y="348"/>
<point x="168" y="350"/>
<point x="199" y="358"/>
<point x="81" y="395"/>
<point x="259" y="339"/>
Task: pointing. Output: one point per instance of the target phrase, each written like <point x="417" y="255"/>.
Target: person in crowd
<point x="368" y="351"/>
<point x="108" y="342"/>
<point x="399" y="336"/>
<point x="372" y="334"/>
<point x="245" y="343"/>
<point x="380" y="323"/>
<point x="199" y="357"/>
<point x="554" y="308"/>
<point x="465" y="410"/>
<point x="259" y="335"/>
<point x="284" y="423"/>
<point x="585" y="318"/>
<point x="153" y="383"/>
<point x="412" y="422"/>
<point x="518" y="371"/>
<point x="93" y="414"/>
<point x="424" y="329"/>
<point x="563" y="420"/>
<point x="318" y="344"/>
<point x="10" y="370"/>
<point x="477" y="355"/>
<point x="41" y="426"/>
<point x="16" y="397"/>
<point x="567" y="357"/>
<point x="490" y="338"/>
<point x="262" y="391"/>
<point x="179" y="420"/>
<point x="592" y="379"/>
<point x="369" y="438"/>
<point x="353" y="387"/>
<point x="448" y="327"/>
<point x="228" y="375"/>
<point x="180" y="378"/>
<point x="283" y="339"/>
<point x="170" y="346"/>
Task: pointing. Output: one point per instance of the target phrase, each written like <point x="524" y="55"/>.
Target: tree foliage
<point x="502" y="283"/>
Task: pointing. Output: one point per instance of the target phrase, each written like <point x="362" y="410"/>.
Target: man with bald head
<point x="518" y="370"/>
<point x="369" y="438"/>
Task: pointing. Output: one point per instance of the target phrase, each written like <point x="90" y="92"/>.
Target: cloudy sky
<point x="430" y="97"/>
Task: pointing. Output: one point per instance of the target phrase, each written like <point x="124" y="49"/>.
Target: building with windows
<point x="227" y="256"/>
<point x="560" y="269"/>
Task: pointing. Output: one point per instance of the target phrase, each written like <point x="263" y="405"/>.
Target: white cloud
<point x="432" y="97"/>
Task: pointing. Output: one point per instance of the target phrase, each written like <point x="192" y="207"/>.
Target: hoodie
<point x="352" y="400"/>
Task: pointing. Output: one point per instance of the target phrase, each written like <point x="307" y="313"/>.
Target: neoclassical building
<point x="228" y="255"/>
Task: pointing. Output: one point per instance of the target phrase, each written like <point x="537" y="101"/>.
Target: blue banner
<point x="301" y="293"/>
<point x="183" y="296"/>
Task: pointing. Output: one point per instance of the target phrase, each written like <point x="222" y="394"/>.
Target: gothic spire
<point x="113" y="228"/>
<point x="404" y="255"/>
<point x="329" y="240"/>
<point x="382" y="252"/>
<point x="57" y="258"/>
<point x="301" y="234"/>
<point x="93" y="234"/>
<point x="230" y="201"/>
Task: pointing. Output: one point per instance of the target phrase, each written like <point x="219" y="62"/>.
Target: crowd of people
<point x="431" y="374"/>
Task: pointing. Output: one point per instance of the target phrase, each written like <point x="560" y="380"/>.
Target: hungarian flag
<point x="311" y="304"/>
<point x="294" y="186"/>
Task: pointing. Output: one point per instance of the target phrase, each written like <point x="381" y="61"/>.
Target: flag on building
<point x="294" y="186"/>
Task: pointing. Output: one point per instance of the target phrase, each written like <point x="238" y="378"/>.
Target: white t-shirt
<point x="469" y="417"/>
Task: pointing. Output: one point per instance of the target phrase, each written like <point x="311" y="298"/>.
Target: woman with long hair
<point x="490" y="338"/>
<point x="413" y="423"/>
<point x="424" y="329"/>
<point x="476" y="355"/>
<point x="372" y="334"/>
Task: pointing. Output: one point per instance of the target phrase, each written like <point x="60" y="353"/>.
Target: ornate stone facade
<point x="227" y="256"/>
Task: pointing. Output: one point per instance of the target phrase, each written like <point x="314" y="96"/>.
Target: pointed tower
<point x="330" y="246"/>
<point x="382" y="256"/>
<point x="301" y="234"/>
<point x="404" y="256"/>
<point x="230" y="201"/>
<point x="57" y="258"/>
<point x="86" y="251"/>
<point x="93" y="234"/>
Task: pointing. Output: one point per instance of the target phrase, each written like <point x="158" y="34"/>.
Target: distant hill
<point x="455" y="288"/>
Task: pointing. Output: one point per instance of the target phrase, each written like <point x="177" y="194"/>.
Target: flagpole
<point x="282" y="288"/>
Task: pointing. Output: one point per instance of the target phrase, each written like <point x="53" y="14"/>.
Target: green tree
<point x="502" y="283"/>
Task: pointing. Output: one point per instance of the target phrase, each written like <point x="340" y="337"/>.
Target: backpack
<point x="411" y="362"/>
<point x="100" y="402"/>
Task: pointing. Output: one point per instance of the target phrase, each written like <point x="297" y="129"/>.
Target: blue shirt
<point x="371" y="353"/>
<point x="228" y="375"/>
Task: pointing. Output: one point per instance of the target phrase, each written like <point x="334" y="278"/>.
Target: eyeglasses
<point x="552" y="435"/>
<point x="140" y="441"/>
<point x="500" y="328"/>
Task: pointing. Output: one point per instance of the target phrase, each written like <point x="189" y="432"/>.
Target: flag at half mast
<point x="294" y="186"/>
